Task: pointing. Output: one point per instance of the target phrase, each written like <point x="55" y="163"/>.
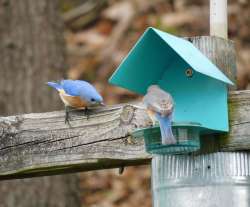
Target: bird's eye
<point x="92" y="100"/>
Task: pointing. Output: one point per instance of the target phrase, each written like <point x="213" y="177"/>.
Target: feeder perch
<point x="186" y="134"/>
<point x="198" y="87"/>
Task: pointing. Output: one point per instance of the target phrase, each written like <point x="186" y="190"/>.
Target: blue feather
<point x="75" y="87"/>
<point x="166" y="129"/>
<point x="55" y="85"/>
<point x="71" y="87"/>
<point x="81" y="88"/>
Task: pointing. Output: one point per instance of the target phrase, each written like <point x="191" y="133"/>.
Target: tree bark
<point x="32" y="52"/>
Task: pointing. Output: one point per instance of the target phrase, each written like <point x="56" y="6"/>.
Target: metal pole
<point x="218" y="18"/>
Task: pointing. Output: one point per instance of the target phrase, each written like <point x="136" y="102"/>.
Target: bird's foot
<point x="86" y="112"/>
<point x="69" y="109"/>
<point x="67" y="115"/>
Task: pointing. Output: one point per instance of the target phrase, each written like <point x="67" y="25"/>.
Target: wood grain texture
<point x="239" y="118"/>
<point x="41" y="144"/>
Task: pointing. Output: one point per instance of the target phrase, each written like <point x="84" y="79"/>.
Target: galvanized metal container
<point x="218" y="179"/>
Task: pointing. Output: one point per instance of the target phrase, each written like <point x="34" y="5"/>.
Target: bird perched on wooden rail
<point x="160" y="106"/>
<point x="77" y="94"/>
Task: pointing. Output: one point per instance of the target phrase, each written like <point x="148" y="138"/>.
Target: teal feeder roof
<point x="198" y="87"/>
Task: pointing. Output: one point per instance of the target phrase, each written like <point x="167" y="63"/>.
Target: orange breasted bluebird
<point x="160" y="107"/>
<point x="77" y="94"/>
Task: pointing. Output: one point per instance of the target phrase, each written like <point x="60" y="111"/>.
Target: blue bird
<point x="77" y="94"/>
<point x="160" y="107"/>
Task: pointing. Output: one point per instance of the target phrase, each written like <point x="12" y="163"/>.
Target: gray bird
<point x="160" y="106"/>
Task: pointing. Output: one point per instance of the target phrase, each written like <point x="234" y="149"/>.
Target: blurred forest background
<point x="98" y="34"/>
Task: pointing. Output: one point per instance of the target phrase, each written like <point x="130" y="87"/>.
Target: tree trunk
<point x="32" y="52"/>
<point x="32" y="48"/>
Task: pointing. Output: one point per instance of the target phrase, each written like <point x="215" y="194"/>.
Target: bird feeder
<point x="198" y="87"/>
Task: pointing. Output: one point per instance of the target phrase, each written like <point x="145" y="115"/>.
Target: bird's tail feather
<point x="57" y="86"/>
<point x="167" y="136"/>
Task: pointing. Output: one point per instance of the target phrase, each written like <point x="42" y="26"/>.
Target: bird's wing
<point x="78" y="87"/>
<point x="71" y="87"/>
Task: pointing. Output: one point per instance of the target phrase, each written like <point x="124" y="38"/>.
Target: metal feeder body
<point x="198" y="87"/>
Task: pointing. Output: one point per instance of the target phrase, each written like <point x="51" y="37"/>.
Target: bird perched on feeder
<point x="160" y="106"/>
<point x="77" y="94"/>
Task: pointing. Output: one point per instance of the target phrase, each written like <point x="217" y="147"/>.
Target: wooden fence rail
<point x="42" y="144"/>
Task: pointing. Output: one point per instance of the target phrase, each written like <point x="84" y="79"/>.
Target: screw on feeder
<point x="189" y="72"/>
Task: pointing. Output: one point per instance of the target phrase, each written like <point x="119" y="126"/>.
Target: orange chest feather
<point x="73" y="101"/>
